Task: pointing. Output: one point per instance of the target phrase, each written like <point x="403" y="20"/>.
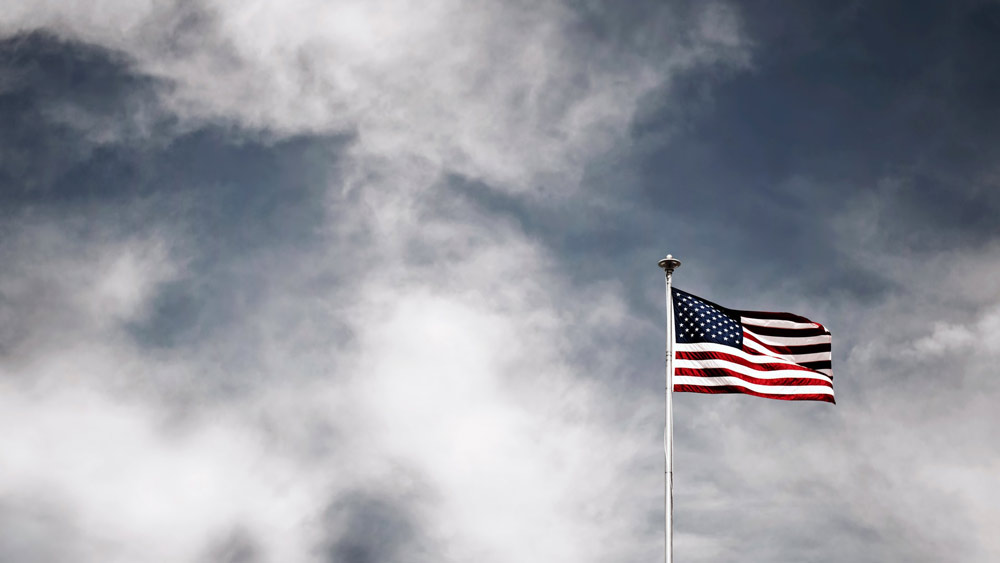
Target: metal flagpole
<point x="669" y="264"/>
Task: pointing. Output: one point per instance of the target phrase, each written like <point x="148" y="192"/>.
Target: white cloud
<point x="453" y="362"/>
<point x="458" y="375"/>
<point x="125" y="483"/>
<point x="509" y="93"/>
<point x="981" y="335"/>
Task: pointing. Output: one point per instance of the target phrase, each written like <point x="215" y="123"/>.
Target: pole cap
<point x="669" y="263"/>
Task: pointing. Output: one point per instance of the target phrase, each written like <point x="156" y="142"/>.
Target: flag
<point x="773" y="355"/>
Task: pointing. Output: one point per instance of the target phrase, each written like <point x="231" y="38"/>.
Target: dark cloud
<point x="370" y="528"/>
<point x="234" y="194"/>
<point x="35" y="529"/>
<point x="59" y="102"/>
<point x="237" y="547"/>
<point x="234" y="200"/>
<point x="841" y="99"/>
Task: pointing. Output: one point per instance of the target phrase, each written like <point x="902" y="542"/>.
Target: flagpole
<point x="669" y="264"/>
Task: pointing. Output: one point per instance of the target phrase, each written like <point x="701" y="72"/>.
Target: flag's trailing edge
<point x="773" y="355"/>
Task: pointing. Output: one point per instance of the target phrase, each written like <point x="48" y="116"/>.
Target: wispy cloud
<point x="190" y="381"/>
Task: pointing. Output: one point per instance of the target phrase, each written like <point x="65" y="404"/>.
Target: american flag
<point x="773" y="355"/>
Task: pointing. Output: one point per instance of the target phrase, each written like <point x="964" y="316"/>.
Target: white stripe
<point x="802" y="358"/>
<point x="827" y="371"/>
<point x="737" y="382"/>
<point x="777" y="323"/>
<point x="792" y="358"/>
<point x="739" y="368"/>
<point x="770" y="358"/>
<point x="791" y="340"/>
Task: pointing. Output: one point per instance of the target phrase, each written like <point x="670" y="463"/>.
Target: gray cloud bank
<point x="375" y="281"/>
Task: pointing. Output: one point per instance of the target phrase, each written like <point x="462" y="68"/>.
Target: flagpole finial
<point x="669" y="264"/>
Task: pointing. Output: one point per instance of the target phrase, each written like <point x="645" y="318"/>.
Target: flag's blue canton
<point x="699" y="321"/>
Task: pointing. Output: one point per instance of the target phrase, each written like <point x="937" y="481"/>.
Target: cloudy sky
<point x="375" y="280"/>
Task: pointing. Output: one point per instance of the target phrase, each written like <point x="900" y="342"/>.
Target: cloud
<point x="374" y="281"/>
<point x="253" y="320"/>
<point x="978" y="336"/>
<point x="507" y="93"/>
<point x="453" y="378"/>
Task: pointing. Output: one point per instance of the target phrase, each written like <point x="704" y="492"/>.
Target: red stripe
<point x="778" y="382"/>
<point x="721" y="389"/>
<point x="738" y="360"/>
<point x="789" y="350"/>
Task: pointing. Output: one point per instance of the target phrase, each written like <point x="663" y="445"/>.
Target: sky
<point x="376" y="281"/>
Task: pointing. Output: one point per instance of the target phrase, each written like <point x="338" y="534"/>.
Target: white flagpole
<point x="669" y="264"/>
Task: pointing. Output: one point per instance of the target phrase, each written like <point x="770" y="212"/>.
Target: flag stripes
<point x="777" y="355"/>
